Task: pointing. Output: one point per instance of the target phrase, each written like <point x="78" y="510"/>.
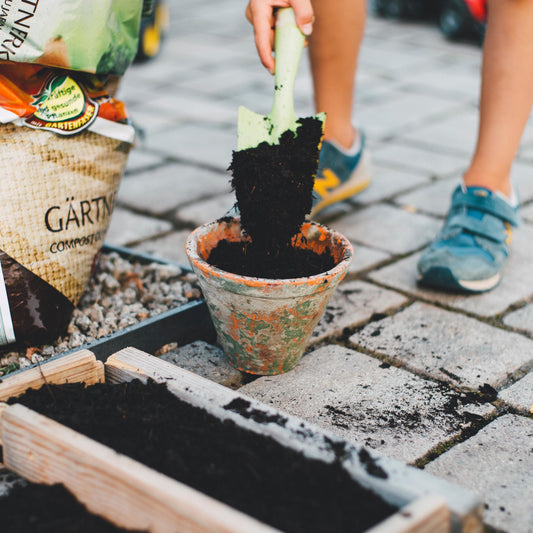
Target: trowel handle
<point x="288" y="48"/>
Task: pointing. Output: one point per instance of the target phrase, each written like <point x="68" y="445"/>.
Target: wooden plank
<point x="80" y="366"/>
<point x="428" y="514"/>
<point x="112" y="485"/>
<point x="402" y="486"/>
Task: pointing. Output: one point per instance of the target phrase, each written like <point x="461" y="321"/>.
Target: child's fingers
<point x="303" y="12"/>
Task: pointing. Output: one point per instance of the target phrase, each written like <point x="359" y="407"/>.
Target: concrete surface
<point x="442" y="381"/>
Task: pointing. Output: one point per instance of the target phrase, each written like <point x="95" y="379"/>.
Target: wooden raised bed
<point x="132" y="495"/>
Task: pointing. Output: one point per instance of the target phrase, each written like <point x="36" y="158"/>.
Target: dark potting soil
<point x="252" y="473"/>
<point x="250" y="259"/>
<point x="273" y="184"/>
<point x="48" y="509"/>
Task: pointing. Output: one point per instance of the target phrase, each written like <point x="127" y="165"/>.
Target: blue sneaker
<point x="470" y="251"/>
<point x="339" y="176"/>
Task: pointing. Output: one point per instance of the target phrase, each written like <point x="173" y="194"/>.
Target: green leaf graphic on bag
<point x="98" y="36"/>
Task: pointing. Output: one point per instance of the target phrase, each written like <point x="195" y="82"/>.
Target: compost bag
<point x="64" y="143"/>
<point x="98" y="36"/>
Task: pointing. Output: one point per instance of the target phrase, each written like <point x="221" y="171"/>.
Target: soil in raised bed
<point x="273" y="185"/>
<point x="38" y="508"/>
<point x="252" y="473"/>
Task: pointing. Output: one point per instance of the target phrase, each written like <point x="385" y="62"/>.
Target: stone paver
<point x="527" y="213"/>
<point x="497" y="463"/>
<point x="199" y="213"/>
<point x="453" y="133"/>
<point x="401" y="111"/>
<point x="365" y="400"/>
<point x="387" y="182"/>
<point x="432" y="199"/>
<point x="377" y="226"/>
<point x="365" y="257"/>
<point x="207" y="361"/>
<point x="171" y="246"/>
<point x="520" y="395"/>
<point x="413" y="158"/>
<point x="447" y="346"/>
<point x="353" y="304"/>
<point x="516" y="285"/>
<point x="127" y="228"/>
<point x="521" y="318"/>
<point x="202" y="144"/>
<point x="165" y="188"/>
<point x="139" y="160"/>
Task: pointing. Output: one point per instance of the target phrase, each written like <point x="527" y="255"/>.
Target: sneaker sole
<point x="358" y="181"/>
<point x="442" y="278"/>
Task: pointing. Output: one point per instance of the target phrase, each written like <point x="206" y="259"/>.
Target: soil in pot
<point x="49" y="509"/>
<point x="273" y="186"/>
<point x="252" y="473"/>
<point x="286" y="262"/>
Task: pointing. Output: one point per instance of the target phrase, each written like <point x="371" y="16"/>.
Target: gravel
<point x="120" y="293"/>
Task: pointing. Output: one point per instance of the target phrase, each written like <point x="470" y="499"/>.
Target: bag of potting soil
<point x="99" y="36"/>
<point x="63" y="148"/>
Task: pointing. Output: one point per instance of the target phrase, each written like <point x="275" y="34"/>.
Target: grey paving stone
<point x="139" y="160"/>
<point x="353" y="303"/>
<point x="365" y="401"/>
<point x="453" y="131"/>
<point x="171" y="246"/>
<point x="202" y="144"/>
<point x="387" y="182"/>
<point x="433" y="199"/>
<point x="497" y="464"/>
<point x="521" y="318"/>
<point x="192" y="107"/>
<point x="365" y="257"/>
<point x="391" y="57"/>
<point x="401" y="112"/>
<point x="227" y="79"/>
<point x="432" y="163"/>
<point x="527" y="213"/>
<point x="521" y="178"/>
<point x="459" y="81"/>
<point x="207" y="361"/>
<point x="516" y="285"/>
<point x="447" y="346"/>
<point x="127" y="227"/>
<point x="334" y="211"/>
<point x="387" y="228"/>
<point x="207" y="210"/>
<point x="520" y="394"/>
<point x="165" y="188"/>
<point x="148" y="124"/>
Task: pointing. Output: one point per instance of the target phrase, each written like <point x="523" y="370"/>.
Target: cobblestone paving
<point x="390" y="365"/>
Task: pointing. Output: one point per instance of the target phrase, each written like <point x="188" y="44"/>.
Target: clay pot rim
<point x="252" y="281"/>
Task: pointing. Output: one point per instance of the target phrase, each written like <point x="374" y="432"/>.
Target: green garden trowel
<point x="252" y="128"/>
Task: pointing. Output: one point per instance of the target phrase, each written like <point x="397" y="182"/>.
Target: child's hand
<point x="260" y="13"/>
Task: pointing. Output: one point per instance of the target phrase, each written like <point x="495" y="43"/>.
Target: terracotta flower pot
<point x="263" y="324"/>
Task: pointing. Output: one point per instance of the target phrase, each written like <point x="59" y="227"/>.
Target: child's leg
<point x="333" y="50"/>
<point x="506" y="93"/>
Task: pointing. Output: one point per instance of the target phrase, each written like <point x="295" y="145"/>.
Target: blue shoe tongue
<point x="477" y="191"/>
<point x="465" y="239"/>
